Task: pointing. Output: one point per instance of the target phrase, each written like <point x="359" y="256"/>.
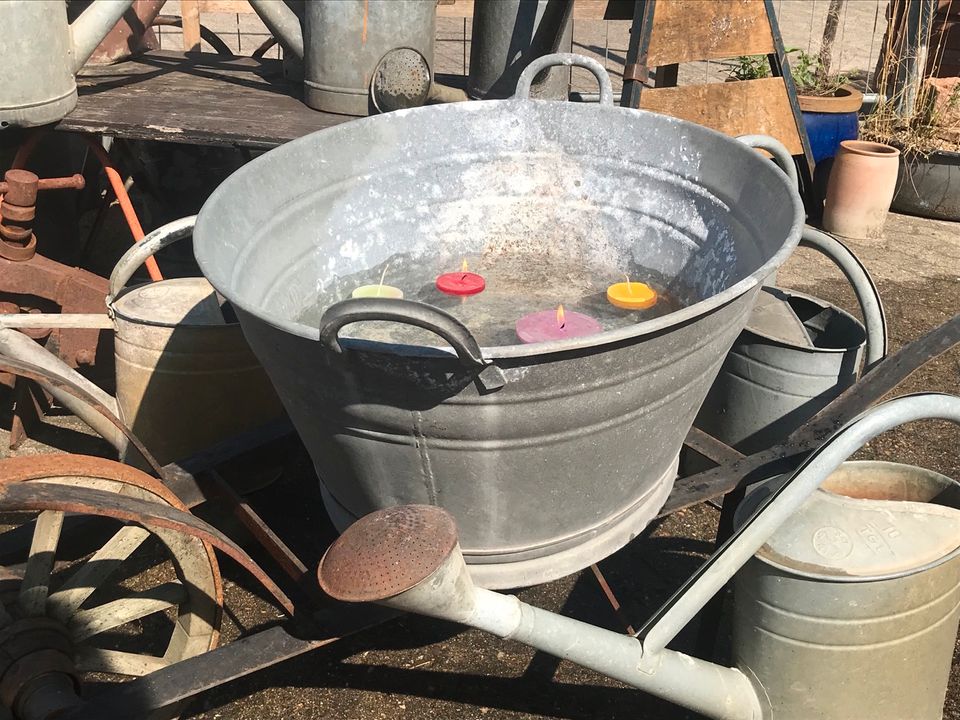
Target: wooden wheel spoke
<point x="95" y="571"/>
<point x="36" y="576"/>
<point x="93" y="659"/>
<point x="87" y="623"/>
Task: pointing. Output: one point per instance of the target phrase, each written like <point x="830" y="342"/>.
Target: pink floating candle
<point x="461" y="283"/>
<point x="555" y="325"/>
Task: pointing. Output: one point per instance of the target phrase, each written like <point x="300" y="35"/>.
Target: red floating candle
<point x="461" y="283"/>
<point x="555" y="325"/>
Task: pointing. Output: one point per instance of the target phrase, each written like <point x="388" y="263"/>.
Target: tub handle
<point x="541" y="63"/>
<point x="874" y="318"/>
<point x="153" y="242"/>
<point x="419" y="314"/>
<point x="781" y="156"/>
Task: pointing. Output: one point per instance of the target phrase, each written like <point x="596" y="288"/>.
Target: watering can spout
<point x="283" y="22"/>
<point x="408" y="557"/>
<point x="92" y="26"/>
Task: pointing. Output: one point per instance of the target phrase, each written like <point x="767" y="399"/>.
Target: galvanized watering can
<point x="552" y="455"/>
<point x="41" y="53"/>
<point x="186" y="378"/>
<point x="796" y="354"/>
<point x="848" y="612"/>
<point x="359" y="56"/>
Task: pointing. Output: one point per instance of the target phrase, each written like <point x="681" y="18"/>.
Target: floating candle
<point x="555" y="325"/>
<point x="384" y="291"/>
<point x="461" y="283"/>
<point x="632" y="295"/>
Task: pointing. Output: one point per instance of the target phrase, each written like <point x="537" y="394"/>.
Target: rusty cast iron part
<point x="18" y="209"/>
<point x="41" y="496"/>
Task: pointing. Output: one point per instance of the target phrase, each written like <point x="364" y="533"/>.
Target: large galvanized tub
<point x="550" y="456"/>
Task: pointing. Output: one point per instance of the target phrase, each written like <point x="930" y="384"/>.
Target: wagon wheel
<point x="134" y="601"/>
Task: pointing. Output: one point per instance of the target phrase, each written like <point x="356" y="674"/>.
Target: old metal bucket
<point x="185" y="376"/>
<point x="863" y="583"/>
<point x="550" y="455"/>
<point x="796" y="354"/>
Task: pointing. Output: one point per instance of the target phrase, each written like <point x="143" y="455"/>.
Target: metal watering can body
<point x="185" y="376"/>
<point x="359" y="56"/>
<point x="843" y="631"/>
<point x="795" y="356"/>
<point x="41" y="53"/>
<point x="851" y="609"/>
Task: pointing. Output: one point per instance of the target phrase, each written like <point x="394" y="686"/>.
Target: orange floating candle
<point x="632" y="295"/>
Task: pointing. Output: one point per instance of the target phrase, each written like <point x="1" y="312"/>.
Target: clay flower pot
<point x="860" y="189"/>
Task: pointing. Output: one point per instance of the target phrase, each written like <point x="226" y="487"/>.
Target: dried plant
<point x="906" y="115"/>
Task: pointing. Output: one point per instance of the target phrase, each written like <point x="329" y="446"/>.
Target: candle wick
<point x="629" y="287"/>
<point x="382" y="276"/>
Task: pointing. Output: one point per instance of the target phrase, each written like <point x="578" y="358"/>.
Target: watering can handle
<point x="781" y="504"/>
<point x="781" y="156"/>
<point x="874" y="318"/>
<point x="154" y="242"/>
<point x="409" y="312"/>
<point x="541" y="63"/>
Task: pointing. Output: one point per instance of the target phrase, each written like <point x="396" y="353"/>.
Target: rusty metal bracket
<point x="39" y="375"/>
<point x="40" y="496"/>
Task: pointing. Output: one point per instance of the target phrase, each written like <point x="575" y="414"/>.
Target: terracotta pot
<point x="860" y="189"/>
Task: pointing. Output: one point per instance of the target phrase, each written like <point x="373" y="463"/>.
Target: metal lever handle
<point x="409" y="312"/>
<point x="874" y="319"/>
<point x="18" y="178"/>
<point x="781" y="156"/>
<point x="542" y="63"/>
<point x="152" y="243"/>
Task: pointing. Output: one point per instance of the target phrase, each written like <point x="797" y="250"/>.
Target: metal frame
<point x="318" y="621"/>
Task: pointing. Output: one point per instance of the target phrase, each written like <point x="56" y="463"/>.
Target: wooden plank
<point x="190" y="14"/>
<point x="202" y="99"/>
<point x="689" y="30"/>
<point x="734" y="108"/>
<point x="225" y="6"/>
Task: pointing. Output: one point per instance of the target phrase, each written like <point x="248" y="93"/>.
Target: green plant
<point x="810" y="75"/>
<point x="749" y="67"/>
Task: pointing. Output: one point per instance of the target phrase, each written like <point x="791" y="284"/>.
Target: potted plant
<point x="828" y="103"/>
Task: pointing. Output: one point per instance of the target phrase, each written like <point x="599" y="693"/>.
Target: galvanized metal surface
<point x="41" y="54"/>
<point x="348" y="44"/>
<point x="579" y="446"/>
<point x="859" y="588"/>
<point x="786" y="625"/>
<point x="770" y="382"/>
<point x="507" y="36"/>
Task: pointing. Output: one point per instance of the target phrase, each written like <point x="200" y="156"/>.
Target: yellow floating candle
<point x="632" y="295"/>
<point x="384" y="291"/>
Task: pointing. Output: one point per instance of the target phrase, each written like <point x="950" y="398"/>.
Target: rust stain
<point x="363" y="35"/>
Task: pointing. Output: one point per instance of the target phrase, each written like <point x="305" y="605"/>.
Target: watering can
<point x="854" y="591"/>
<point x="796" y="354"/>
<point x="185" y="376"/>
<point x="41" y="54"/>
<point x="359" y="56"/>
